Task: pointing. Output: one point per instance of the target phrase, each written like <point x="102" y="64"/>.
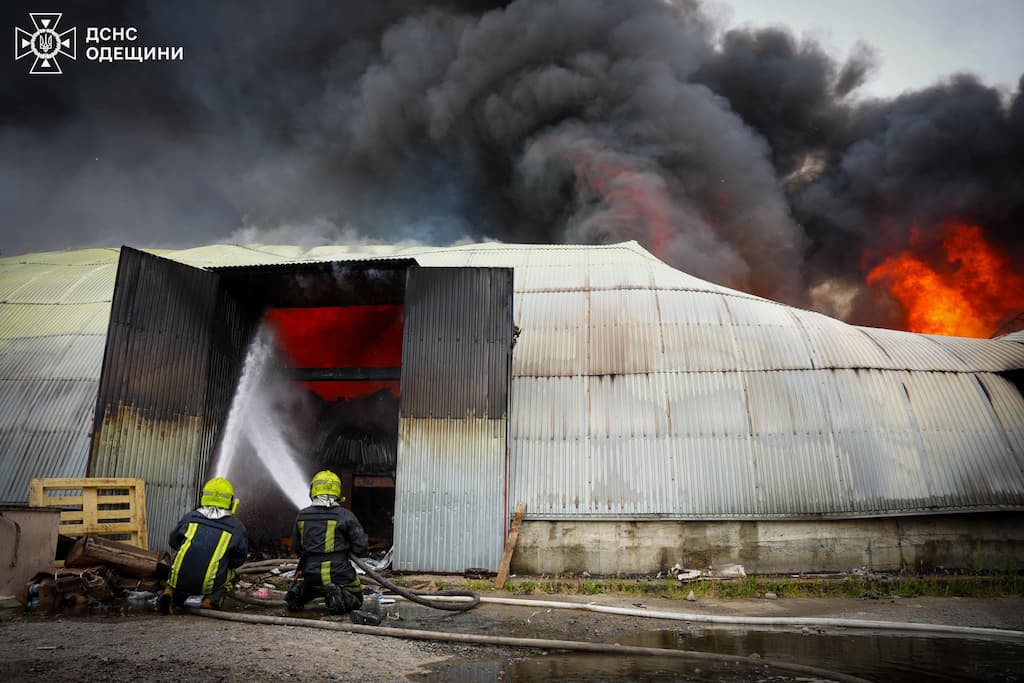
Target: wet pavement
<point x="884" y="658"/>
<point x="899" y="657"/>
<point x="894" y="657"/>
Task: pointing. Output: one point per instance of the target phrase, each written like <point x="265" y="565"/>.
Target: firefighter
<point x="210" y="543"/>
<point x="324" y="535"/>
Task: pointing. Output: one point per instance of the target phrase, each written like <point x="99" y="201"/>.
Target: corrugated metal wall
<point x="636" y="389"/>
<point x="53" y="318"/>
<point x="639" y="393"/>
<point x="450" y="509"/>
<point x="172" y="351"/>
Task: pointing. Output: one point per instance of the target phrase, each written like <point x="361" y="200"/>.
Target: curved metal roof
<point x="638" y="390"/>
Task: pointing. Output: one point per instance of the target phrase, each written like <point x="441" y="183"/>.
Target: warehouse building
<point x="645" y="417"/>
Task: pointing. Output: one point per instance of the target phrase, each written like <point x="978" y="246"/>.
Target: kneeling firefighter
<point x="210" y="542"/>
<point x="324" y="535"/>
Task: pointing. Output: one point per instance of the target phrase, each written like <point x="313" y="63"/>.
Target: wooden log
<point x="510" y="545"/>
<point x="126" y="559"/>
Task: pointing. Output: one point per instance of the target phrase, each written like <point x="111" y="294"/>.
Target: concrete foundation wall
<point x="975" y="542"/>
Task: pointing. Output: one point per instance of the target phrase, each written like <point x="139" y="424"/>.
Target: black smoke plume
<point x="744" y="158"/>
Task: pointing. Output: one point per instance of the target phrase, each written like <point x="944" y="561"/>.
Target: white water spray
<point x="256" y="423"/>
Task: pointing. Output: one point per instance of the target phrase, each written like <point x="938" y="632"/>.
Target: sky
<point x="917" y="41"/>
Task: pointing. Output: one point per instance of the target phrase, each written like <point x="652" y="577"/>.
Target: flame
<point x="970" y="296"/>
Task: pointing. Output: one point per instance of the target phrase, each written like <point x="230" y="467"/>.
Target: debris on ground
<point x="98" y="571"/>
<point x="725" y="571"/>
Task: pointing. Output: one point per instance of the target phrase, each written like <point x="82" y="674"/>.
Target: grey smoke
<point x="532" y="121"/>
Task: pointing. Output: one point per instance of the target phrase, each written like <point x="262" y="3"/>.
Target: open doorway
<point x="348" y="361"/>
<point x="365" y="345"/>
<point x="337" y="332"/>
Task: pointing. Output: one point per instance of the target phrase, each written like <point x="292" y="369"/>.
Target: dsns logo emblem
<point x="45" y="43"/>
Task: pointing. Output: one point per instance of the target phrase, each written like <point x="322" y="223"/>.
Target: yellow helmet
<point x="325" y="482"/>
<point x="219" y="493"/>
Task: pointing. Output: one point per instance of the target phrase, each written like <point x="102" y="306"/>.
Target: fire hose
<point x="469" y="598"/>
<point x="545" y="644"/>
<point x="419" y="597"/>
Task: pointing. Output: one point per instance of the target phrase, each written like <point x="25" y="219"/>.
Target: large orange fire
<point x="969" y="296"/>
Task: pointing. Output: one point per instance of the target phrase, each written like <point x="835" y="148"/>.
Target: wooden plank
<point x="120" y="499"/>
<point x="89" y="506"/>
<point x="93" y="482"/>
<point x="114" y="516"/>
<point x="510" y="545"/>
<point x="98" y="529"/>
<point x="128" y="494"/>
<point x="35" y="493"/>
<point x="60" y="501"/>
<point x="141" y="536"/>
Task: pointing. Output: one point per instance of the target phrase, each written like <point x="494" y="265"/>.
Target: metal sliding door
<point x="453" y="419"/>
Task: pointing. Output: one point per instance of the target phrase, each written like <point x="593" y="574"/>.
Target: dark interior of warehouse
<point x="338" y="331"/>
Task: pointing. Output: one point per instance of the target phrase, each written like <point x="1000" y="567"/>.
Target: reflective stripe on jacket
<point x="323" y="537"/>
<point x="207" y="548"/>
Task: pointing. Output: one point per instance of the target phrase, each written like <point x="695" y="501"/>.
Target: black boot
<point x="333" y="598"/>
<point x="358" y="616"/>
<point x="293" y="598"/>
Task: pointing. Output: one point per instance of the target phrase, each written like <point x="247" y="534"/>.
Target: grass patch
<point x="1000" y="585"/>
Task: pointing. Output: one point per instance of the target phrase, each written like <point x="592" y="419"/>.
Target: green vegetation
<point x="1008" y="583"/>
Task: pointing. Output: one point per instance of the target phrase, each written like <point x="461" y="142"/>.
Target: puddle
<point x="876" y="657"/>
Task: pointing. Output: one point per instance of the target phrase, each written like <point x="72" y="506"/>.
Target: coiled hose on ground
<point x="469" y="598"/>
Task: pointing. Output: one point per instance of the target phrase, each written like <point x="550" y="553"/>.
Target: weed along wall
<point x="982" y="542"/>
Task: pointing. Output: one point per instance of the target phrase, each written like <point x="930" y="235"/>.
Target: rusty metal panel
<point x="165" y="382"/>
<point x="450" y="510"/>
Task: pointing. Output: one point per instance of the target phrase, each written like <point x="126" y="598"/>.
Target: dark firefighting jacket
<point x="207" y="548"/>
<point x="323" y="537"/>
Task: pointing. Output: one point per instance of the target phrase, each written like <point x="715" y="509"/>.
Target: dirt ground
<point x="141" y="645"/>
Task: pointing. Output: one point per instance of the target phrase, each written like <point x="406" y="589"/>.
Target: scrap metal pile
<point x="97" y="573"/>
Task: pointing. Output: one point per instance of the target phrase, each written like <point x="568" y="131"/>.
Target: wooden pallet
<point x="111" y="507"/>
